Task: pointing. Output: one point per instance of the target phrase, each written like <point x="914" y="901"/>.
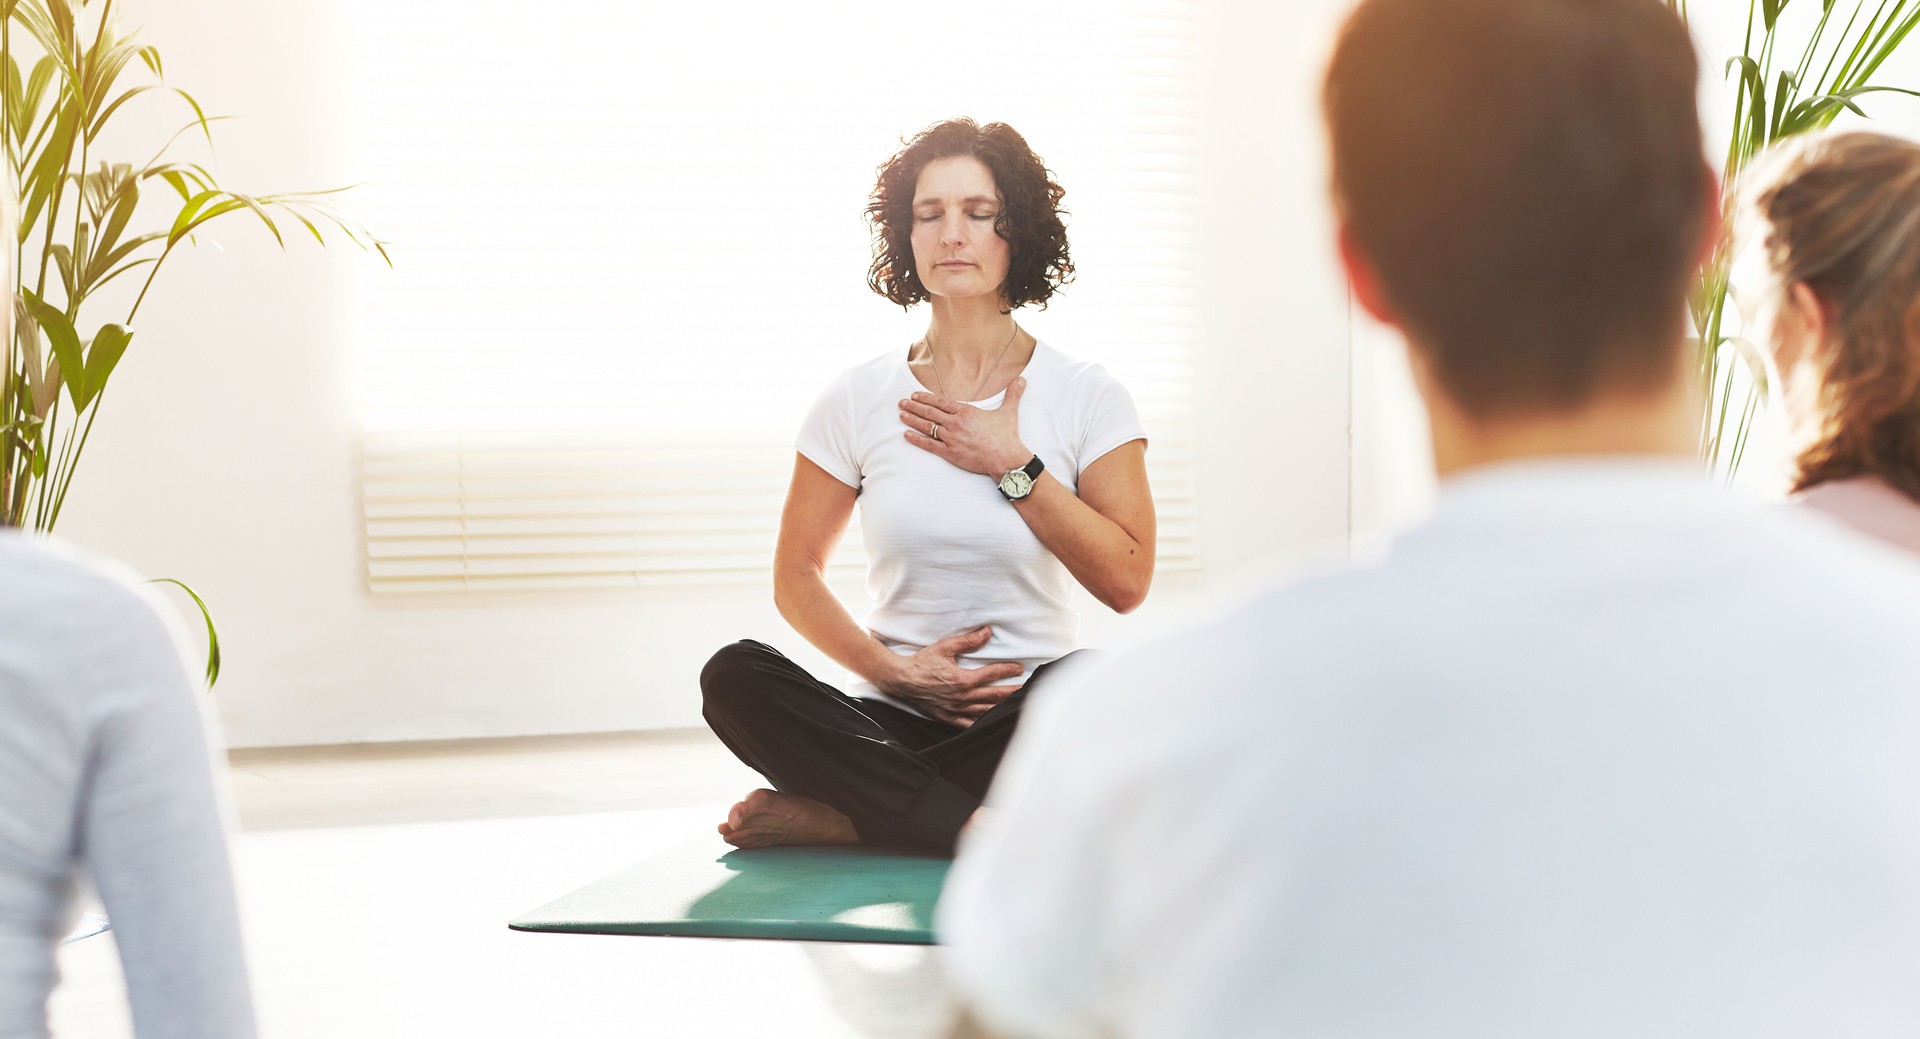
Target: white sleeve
<point x="152" y="836"/>
<point x="826" y="436"/>
<point x="1111" y="419"/>
<point x="1026" y="909"/>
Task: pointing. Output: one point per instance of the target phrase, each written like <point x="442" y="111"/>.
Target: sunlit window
<point x="628" y="234"/>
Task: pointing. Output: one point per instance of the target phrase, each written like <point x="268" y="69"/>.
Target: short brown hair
<point x="1526" y="178"/>
<point x="1030" y="219"/>
<point x="1840" y="213"/>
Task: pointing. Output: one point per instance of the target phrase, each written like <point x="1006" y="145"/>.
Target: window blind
<point x="629" y="253"/>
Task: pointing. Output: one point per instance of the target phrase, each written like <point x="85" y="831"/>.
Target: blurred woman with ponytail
<point x="1831" y="233"/>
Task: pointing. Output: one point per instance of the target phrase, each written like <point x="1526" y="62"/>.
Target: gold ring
<point x="935" y="431"/>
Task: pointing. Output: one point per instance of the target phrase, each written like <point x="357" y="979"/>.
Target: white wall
<point x="226" y="454"/>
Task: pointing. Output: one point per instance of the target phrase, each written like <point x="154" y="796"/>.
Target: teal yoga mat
<point x="703" y="889"/>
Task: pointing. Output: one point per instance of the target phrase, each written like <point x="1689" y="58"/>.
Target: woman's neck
<point x="970" y="335"/>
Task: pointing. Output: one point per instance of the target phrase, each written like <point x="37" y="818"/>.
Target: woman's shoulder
<point x="869" y="375"/>
<point x="1869" y="505"/>
<point x="1081" y="377"/>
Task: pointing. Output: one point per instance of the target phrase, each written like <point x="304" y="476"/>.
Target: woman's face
<point x="956" y="251"/>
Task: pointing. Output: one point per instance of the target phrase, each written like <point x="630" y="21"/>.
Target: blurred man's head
<point x="1521" y="190"/>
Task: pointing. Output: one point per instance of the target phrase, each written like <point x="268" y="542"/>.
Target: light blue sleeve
<point x="153" y="838"/>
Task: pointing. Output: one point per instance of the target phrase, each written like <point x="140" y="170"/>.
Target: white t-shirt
<point x="1595" y="752"/>
<point x="946" y="551"/>
<point x="105" y="768"/>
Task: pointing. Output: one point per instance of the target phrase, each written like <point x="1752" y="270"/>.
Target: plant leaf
<point x="43" y="378"/>
<point x="14" y="86"/>
<point x="102" y="262"/>
<point x="63" y="260"/>
<point x="1783" y="89"/>
<point x="1820" y="111"/>
<point x="179" y="182"/>
<point x="62" y="14"/>
<point x="261" y="212"/>
<point x="1815" y="112"/>
<point x="103" y="353"/>
<point x="184" y="222"/>
<point x="26" y="432"/>
<point x="1857" y="91"/>
<point x="213" y="635"/>
<point x="103" y="71"/>
<point x="181" y="175"/>
<point x="125" y="199"/>
<point x="1882" y="45"/>
<point x="199" y="114"/>
<point x="308" y="224"/>
<point x="1756" y="363"/>
<point x="37" y="83"/>
<point x="50" y="170"/>
<point x="1754" y="87"/>
<point x="151" y="55"/>
<point x="99" y="122"/>
<point x="53" y="33"/>
<point x="124" y="268"/>
<point x="218" y="209"/>
<point x="66" y="345"/>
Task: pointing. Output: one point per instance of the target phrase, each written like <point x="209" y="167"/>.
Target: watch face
<point x="1016" y="484"/>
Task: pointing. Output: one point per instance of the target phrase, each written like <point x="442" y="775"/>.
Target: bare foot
<point x="766" y="818"/>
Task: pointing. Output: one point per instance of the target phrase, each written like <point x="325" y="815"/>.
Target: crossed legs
<point x="846" y="770"/>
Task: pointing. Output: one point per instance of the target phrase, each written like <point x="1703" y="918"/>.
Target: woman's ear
<point x="1802" y="327"/>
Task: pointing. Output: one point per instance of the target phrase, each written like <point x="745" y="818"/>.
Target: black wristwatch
<point x="1018" y="483"/>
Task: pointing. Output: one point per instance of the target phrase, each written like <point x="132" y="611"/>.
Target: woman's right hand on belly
<point x="934" y="681"/>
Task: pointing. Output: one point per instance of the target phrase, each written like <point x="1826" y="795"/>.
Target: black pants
<point x="902" y="779"/>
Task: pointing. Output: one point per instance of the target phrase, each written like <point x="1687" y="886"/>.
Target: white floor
<point x="376" y="883"/>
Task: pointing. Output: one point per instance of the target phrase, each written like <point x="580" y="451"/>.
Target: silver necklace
<point x="941" y="385"/>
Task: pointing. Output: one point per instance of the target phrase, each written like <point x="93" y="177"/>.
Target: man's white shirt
<point x="1595" y="751"/>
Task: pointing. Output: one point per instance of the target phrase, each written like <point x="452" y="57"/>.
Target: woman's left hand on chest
<point x="977" y="440"/>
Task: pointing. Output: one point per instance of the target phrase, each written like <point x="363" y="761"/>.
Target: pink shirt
<point x="1871" y="506"/>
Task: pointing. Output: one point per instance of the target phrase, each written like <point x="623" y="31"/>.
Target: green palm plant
<point x="1779" y="88"/>
<point x="86" y="220"/>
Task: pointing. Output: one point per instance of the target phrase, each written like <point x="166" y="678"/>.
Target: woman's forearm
<point x="1099" y="553"/>
<point x="801" y="594"/>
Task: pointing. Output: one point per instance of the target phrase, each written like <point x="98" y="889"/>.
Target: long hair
<point x="1840" y="213"/>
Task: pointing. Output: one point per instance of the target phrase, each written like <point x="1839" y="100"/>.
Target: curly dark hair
<point x="1029" y="220"/>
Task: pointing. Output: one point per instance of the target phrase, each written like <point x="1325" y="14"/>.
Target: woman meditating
<point x="1834" y="223"/>
<point x="992" y="472"/>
